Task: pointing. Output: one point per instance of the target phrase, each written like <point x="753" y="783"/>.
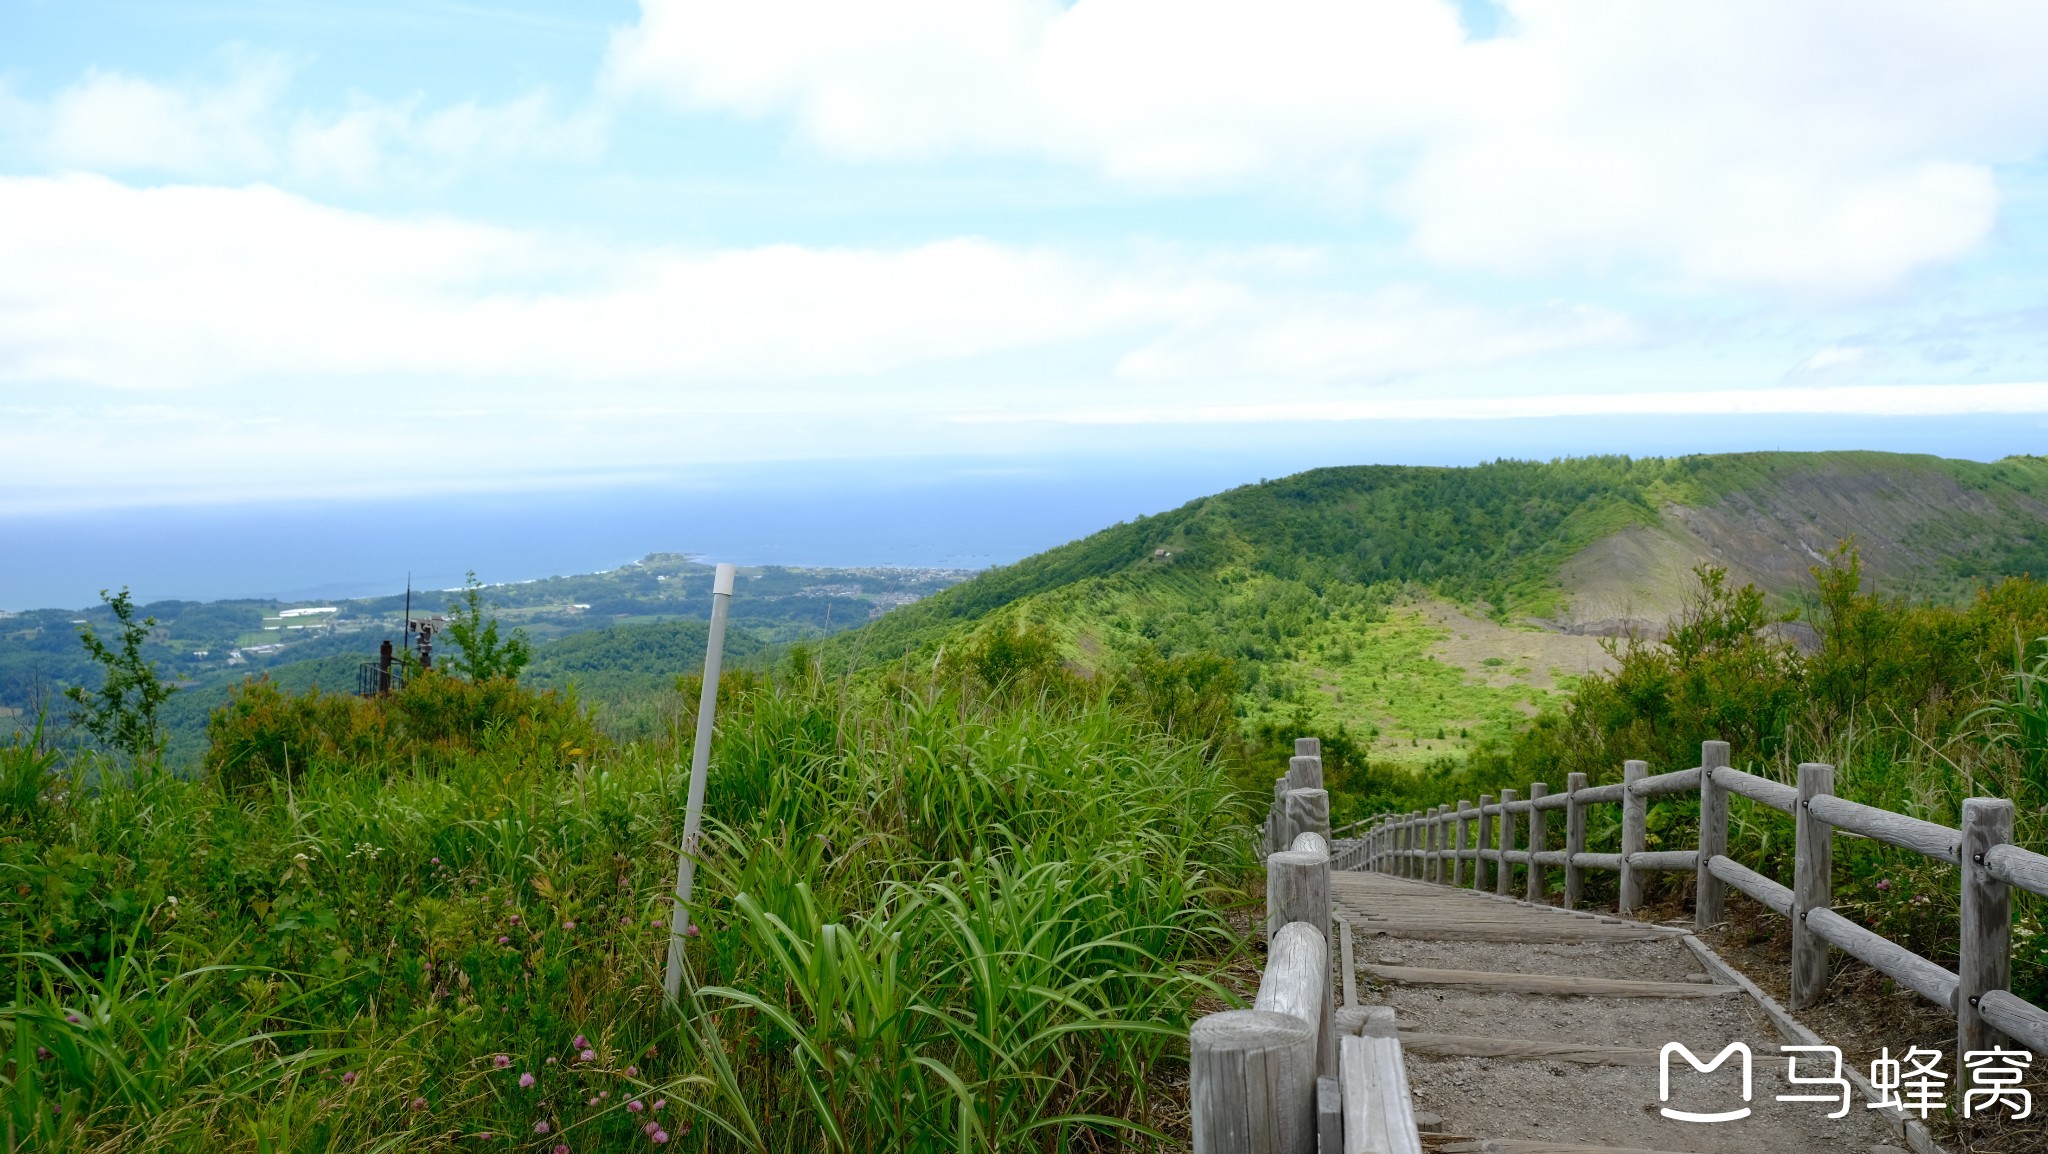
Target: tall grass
<point x="936" y="917"/>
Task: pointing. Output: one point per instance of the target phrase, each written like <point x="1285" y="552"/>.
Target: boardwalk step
<point x="1517" y="1146"/>
<point x="1473" y="1046"/>
<point x="1565" y="985"/>
<point x="1559" y="932"/>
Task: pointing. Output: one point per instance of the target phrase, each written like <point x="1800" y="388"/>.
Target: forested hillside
<point x="1425" y="609"/>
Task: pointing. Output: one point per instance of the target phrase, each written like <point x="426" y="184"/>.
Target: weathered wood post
<point x="1436" y="840"/>
<point x="1308" y="747"/>
<point x="1304" y="773"/>
<point x="700" y="768"/>
<point x="1278" y="836"/>
<point x="1813" y="869"/>
<point x="1414" y="844"/>
<point x="1536" y="889"/>
<point x="1574" y="841"/>
<point x="1635" y="831"/>
<point x="1504" y="874"/>
<point x="1245" y="1068"/>
<point x="1308" y="811"/>
<point x="1709" y="893"/>
<point x="1298" y="896"/>
<point x="1458" y="861"/>
<point x="1984" y="962"/>
<point x="1485" y="840"/>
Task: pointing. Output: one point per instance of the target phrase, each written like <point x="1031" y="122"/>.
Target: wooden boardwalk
<point x="1529" y="1029"/>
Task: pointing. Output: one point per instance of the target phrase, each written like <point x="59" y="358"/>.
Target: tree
<point x="484" y="654"/>
<point x="122" y="712"/>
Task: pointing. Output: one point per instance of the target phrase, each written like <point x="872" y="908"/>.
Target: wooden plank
<point x="2021" y="1020"/>
<point x="1473" y="1046"/>
<point x="1564" y="934"/>
<point x="1752" y="883"/>
<point x="1329" y="1116"/>
<point x="1602" y="794"/>
<point x="1683" y="781"/>
<point x="1780" y="797"/>
<point x="1520" y="1146"/>
<point x="1670" y="860"/>
<point x="1936" y="841"/>
<point x="2019" y="867"/>
<point x="1885" y="956"/>
<point x="1561" y="985"/>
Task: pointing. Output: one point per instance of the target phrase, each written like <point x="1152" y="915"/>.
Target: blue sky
<point x="352" y="251"/>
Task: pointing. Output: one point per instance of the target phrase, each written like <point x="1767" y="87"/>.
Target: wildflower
<point x="632" y="1071"/>
<point x="540" y="1127"/>
<point x="561" y="1148"/>
<point x="42" y="1055"/>
<point x="587" y="1055"/>
<point x="72" y="1017"/>
<point x="1885" y="884"/>
<point x="690" y="931"/>
<point x="635" y="1106"/>
<point x="661" y="1137"/>
<point x="551" y="1059"/>
<point x="502" y="1061"/>
<point x="592" y="1102"/>
<point x="569" y="925"/>
<point x="435" y="861"/>
<point x="349" y="1079"/>
<point x="515" y="919"/>
<point x="485" y="1135"/>
<point x="503" y="940"/>
<point x="526" y="1081"/>
<point x="604" y="1093"/>
<point x="419" y="1103"/>
<point x="650" y="1128"/>
<point x="659" y="1103"/>
<point x="625" y="921"/>
<point x="579" y="1043"/>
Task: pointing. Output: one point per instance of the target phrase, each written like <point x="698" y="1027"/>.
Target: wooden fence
<point x="1296" y="1074"/>
<point x="1438" y="845"/>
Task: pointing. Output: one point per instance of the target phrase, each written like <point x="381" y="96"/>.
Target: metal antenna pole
<point x="700" y="761"/>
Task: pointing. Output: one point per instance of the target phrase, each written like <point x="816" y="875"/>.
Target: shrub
<point x="263" y="733"/>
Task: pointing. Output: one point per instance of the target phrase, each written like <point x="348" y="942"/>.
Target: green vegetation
<point x="947" y="911"/>
<point x="123" y="711"/>
<point x="483" y="654"/>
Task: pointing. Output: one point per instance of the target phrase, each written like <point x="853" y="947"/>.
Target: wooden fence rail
<point x="1293" y="1074"/>
<point x="1435" y="845"/>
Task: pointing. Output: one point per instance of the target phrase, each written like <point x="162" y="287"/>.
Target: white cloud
<point x="1830" y="146"/>
<point x="241" y="128"/>
<point x="195" y="287"/>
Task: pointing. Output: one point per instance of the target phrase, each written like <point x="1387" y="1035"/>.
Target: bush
<point x="263" y="733"/>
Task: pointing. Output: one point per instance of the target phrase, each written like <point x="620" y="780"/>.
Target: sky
<point x="262" y="253"/>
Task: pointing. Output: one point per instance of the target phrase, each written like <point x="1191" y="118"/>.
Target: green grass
<point x="936" y="918"/>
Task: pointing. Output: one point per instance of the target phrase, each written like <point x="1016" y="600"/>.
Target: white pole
<point x="700" y="761"/>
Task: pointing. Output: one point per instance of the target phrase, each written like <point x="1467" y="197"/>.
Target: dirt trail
<point x="1592" y="1079"/>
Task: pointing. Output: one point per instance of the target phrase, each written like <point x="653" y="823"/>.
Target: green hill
<point x="1425" y="608"/>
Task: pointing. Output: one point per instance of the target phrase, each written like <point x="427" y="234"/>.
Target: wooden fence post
<point x="1485" y="842"/>
<point x="1438" y="838"/>
<point x="1415" y="844"/>
<point x="1812" y="885"/>
<point x="1252" y="1076"/>
<point x="1984" y="963"/>
<point x="1709" y="894"/>
<point x="1308" y="811"/>
<point x="1635" y="814"/>
<point x="1536" y="890"/>
<point x="1503" y="873"/>
<point x="1458" y="862"/>
<point x="1574" y="841"/>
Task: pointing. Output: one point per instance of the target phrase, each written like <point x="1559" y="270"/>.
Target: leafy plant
<point x="484" y="654"/>
<point x="123" y="711"/>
